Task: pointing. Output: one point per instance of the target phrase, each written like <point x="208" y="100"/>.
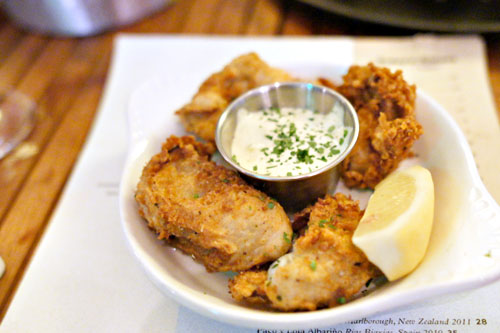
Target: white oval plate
<point x="464" y="250"/>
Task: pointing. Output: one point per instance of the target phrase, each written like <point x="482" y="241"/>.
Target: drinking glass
<point x="17" y="119"/>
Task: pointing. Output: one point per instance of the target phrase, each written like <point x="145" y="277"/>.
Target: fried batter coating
<point x="324" y="269"/>
<point x="385" y="105"/>
<point x="207" y="210"/>
<point x="246" y="72"/>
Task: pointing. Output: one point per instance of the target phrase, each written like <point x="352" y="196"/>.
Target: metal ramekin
<point x="79" y="17"/>
<point x="293" y="192"/>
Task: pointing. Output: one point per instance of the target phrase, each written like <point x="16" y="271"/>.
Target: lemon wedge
<point x="394" y="231"/>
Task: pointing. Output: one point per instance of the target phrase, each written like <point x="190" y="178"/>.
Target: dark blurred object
<point x="79" y="17"/>
<point x="435" y="15"/>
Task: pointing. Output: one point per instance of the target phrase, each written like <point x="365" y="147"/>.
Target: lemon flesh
<point x="395" y="229"/>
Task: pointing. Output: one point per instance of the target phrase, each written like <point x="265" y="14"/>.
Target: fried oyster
<point x="246" y="72"/>
<point x="207" y="210"/>
<point x="324" y="268"/>
<point x="385" y="105"/>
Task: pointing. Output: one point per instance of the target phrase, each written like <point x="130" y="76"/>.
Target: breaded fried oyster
<point x="385" y="104"/>
<point x="245" y="72"/>
<point x="207" y="210"/>
<point x="324" y="268"/>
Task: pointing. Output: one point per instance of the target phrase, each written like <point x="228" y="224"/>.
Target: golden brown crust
<point x="385" y="105"/>
<point x="207" y="210"/>
<point x="324" y="269"/>
<point x="246" y="72"/>
<point x="249" y="286"/>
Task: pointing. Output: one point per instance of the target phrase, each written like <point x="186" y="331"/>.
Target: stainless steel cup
<point x="293" y="192"/>
<point x="79" y="17"/>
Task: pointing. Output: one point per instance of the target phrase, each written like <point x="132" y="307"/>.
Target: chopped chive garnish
<point x="285" y="237"/>
<point x="334" y="151"/>
<point x="270" y="205"/>
<point x="196" y="196"/>
<point x="313" y="265"/>
<point x="341" y="300"/>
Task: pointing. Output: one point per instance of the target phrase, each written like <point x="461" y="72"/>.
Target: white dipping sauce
<point x="288" y="141"/>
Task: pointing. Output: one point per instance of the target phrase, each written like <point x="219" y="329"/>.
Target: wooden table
<point x="65" y="76"/>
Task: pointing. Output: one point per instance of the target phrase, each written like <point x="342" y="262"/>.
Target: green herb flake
<point x="322" y="223"/>
<point x="345" y="133"/>
<point x="225" y="180"/>
<point x="285" y="237"/>
<point x="331" y="129"/>
<point x="313" y="265"/>
<point x="303" y="156"/>
<point x="254" y="168"/>
<point x="288" y="173"/>
<point x="269" y="137"/>
<point x="334" y="152"/>
<point x="488" y="254"/>
<point x="268" y="283"/>
<point x="341" y="300"/>
<point x="341" y="141"/>
<point x="279" y="297"/>
<point x="234" y="159"/>
<point x="196" y="196"/>
<point x="270" y="205"/>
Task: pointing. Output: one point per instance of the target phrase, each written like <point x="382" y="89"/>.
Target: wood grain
<point x="19" y="60"/>
<point x="14" y="168"/>
<point x="39" y="194"/>
<point x="266" y="18"/>
<point x="9" y="36"/>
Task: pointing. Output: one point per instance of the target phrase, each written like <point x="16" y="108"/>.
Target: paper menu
<point x="83" y="277"/>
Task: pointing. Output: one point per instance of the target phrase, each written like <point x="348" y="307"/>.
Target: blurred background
<point x="88" y="17"/>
